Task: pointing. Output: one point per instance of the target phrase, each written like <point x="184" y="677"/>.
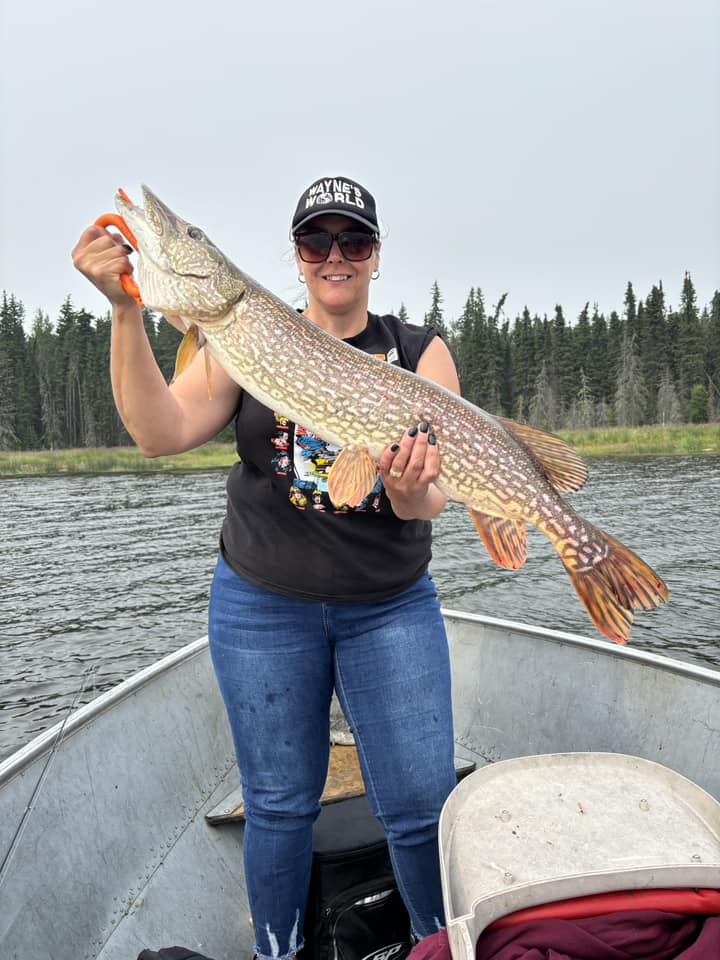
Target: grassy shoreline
<point x="676" y="440"/>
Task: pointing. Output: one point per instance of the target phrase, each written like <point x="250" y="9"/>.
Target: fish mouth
<point x="154" y="214"/>
<point x="154" y="223"/>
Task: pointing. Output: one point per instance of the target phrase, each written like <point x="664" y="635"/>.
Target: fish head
<point x="180" y="271"/>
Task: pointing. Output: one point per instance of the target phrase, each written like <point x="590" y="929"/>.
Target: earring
<point x="301" y="277"/>
<point x="375" y="274"/>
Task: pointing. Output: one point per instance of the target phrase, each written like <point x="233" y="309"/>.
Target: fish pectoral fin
<point x="563" y="466"/>
<point x="351" y="477"/>
<point x="189" y="346"/>
<point x="505" y="539"/>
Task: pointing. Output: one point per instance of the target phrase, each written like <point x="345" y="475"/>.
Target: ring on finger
<point x="395" y="474"/>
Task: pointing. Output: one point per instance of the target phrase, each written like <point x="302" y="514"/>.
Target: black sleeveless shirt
<point x="281" y="531"/>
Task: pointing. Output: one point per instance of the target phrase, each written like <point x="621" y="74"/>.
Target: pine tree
<point x="434" y="317"/>
<point x="402" y="314"/>
<point x="524" y="366"/>
<point x="711" y="326"/>
<point x="691" y="367"/>
<point x="652" y="348"/>
<point x="699" y="404"/>
<point x="8" y="410"/>
<point x="581" y="342"/>
<point x="630" y="390"/>
<point x="598" y="362"/>
<point x="16" y="385"/>
<point x="614" y="342"/>
<point x="668" y="409"/>
<point x="630" y="318"/>
<point x="584" y="404"/>
<point x="463" y="345"/>
<point x="43" y="352"/>
<point x="562" y="372"/>
<point x="543" y="404"/>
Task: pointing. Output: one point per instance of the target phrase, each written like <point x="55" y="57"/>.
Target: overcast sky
<point x="551" y="149"/>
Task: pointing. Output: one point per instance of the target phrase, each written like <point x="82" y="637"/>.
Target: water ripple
<point x="101" y="576"/>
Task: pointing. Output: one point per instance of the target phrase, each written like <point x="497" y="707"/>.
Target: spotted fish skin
<point x="506" y="474"/>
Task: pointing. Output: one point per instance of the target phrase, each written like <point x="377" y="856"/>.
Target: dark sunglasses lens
<point x="314" y="247"/>
<point x="355" y="245"/>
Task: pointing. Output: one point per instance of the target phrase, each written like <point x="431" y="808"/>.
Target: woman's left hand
<point x="409" y="470"/>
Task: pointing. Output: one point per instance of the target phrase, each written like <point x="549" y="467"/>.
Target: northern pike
<point x="507" y="474"/>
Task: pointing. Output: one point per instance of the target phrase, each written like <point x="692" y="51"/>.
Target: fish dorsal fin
<point x="351" y="477"/>
<point x="563" y="466"/>
<point x="505" y="539"/>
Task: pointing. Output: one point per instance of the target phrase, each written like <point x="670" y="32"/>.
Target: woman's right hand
<point x="102" y="257"/>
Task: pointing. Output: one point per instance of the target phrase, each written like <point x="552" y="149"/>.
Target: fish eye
<point x="195" y="233"/>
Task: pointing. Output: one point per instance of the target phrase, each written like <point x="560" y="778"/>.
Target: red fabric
<point x="690" y="931"/>
<point x="636" y="935"/>
<point x="674" y="901"/>
<point x="434" y="947"/>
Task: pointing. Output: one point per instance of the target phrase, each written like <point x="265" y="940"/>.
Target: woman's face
<point x="337" y="283"/>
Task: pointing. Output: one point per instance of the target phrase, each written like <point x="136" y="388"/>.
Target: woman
<point x="308" y="597"/>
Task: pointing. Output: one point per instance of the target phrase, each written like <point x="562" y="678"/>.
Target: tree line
<point x="651" y="364"/>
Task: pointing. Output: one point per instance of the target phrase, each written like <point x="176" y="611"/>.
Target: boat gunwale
<point x="55" y="735"/>
<point x="63" y="729"/>
<point x="605" y="647"/>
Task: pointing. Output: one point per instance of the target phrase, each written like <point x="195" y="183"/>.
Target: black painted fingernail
<point x="412" y="431"/>
<point x="424" y="426"/>
<point x="395" y="447"/>
<point x="127" y="248"/>
<point x="432" y="439"/>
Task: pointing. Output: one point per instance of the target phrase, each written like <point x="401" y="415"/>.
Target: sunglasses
<point x="316" y="247"/>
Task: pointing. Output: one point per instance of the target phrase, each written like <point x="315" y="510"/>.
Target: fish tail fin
<point x="614" y="584"/>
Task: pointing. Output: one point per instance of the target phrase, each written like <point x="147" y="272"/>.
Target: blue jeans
<point x="277" y="660"/>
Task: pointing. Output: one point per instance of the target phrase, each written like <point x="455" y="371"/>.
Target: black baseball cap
<point x="335" y="195"/>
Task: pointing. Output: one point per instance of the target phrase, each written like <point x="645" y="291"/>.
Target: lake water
<point x="102" y="575"/>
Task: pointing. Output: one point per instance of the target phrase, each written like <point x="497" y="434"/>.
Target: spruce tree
<point x="562" y="371"/>
<point x="630" y="317"/>
<point x="699" y="404"/>
<point x="581" y="341"/>
<point x="543" y="412"/>
<point x="43" y="349"/>
<point x="652" y="348"/>
<point x="434" y="316"/>
<point x="598" y="362"/>
<point x="668" y="409"/>
<point x="691" y="366"/>
<point x="711" y="326"/>
<point x="524" y="366"/>
<point x="16" y="385"/>
<point x="630" y="389"/>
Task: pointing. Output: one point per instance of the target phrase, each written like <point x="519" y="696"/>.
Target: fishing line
<point x="17" y="836"/>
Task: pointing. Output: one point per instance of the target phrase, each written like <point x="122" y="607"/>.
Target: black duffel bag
<point x="354" y="909"/>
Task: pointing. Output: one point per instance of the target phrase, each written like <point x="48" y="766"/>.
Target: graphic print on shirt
<point x="281" y="461"/>
<point x="309" y="461"/>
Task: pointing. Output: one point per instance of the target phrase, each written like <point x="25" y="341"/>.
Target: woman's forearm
<point x="144" y="401"/>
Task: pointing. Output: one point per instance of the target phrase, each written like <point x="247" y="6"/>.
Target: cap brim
<point x="342" y="211"/>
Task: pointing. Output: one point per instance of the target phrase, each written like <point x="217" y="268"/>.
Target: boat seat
<point x="344" y="780"/>
<point x="536" y="830"/>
